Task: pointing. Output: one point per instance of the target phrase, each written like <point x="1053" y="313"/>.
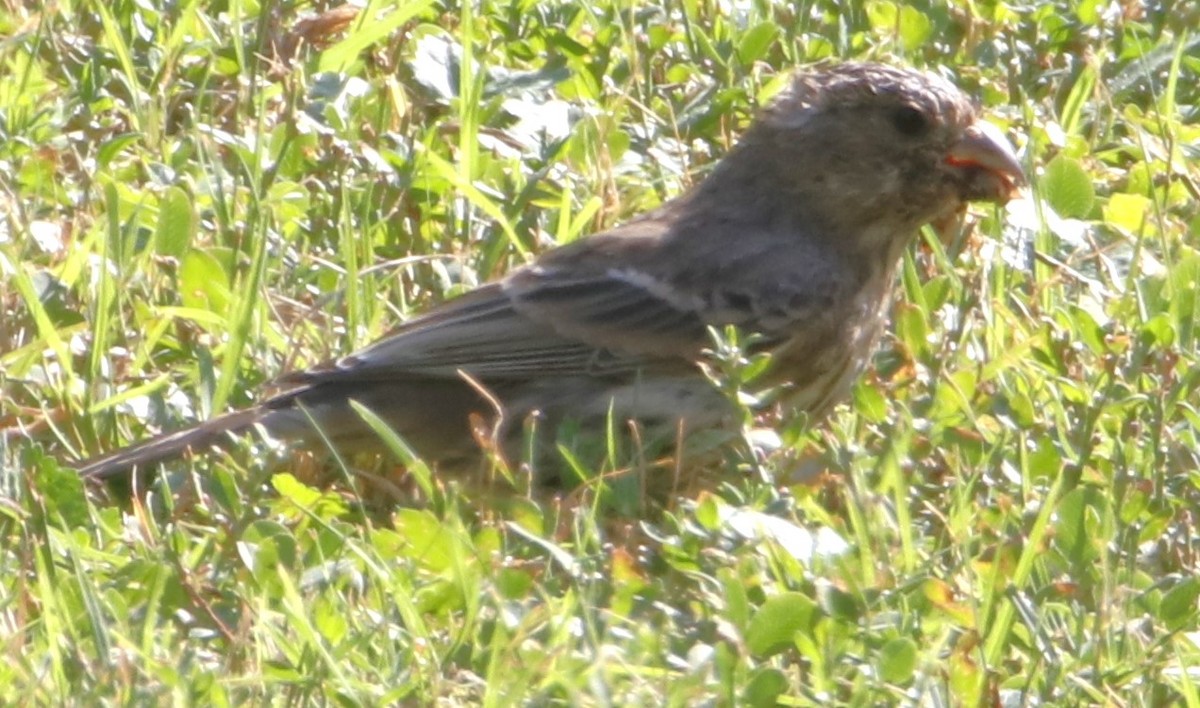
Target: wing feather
<point x="588" y="312"/>
<point x="620" y="310"/>
<point x="558" y="326"/>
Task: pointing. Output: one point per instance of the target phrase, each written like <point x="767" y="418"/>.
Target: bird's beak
<point x="991" y="169"/>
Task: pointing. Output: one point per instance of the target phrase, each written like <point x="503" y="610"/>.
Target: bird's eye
<point x="909" y="121"/>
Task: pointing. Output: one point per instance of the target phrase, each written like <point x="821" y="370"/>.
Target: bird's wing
<point x="479" y="333"/>
<point x="774" y="286"/>
<point x="621" y="309"/>
<point x="532" y="324"/>
<point x="603" y="307"/>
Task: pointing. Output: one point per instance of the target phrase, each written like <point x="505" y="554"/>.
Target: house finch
<point x="794" y="237"/>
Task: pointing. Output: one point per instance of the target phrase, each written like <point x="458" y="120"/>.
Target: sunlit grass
<point x="199" y="198"/>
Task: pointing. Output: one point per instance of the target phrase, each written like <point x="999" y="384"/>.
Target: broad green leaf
<point x="708" y="511"/>
<point x="425" y="536"/>
<point x="1127" y="211"/>
<point x="764" y="688"/>
<point x="109" y="149"/>
<point x="513" y="583"/>
<point x="911" y="26"/>
<point x="898" y="660"/>
<point x="1068" y="188"/>
<point x="882" y="15"/>
<point x="756" y="41"/>
<point x="1158" y="331"/>
<point x="176" y="224"/>
<point x="780" y="617"/>
<point x="291" y="488"/>
<point x="266" y="544"/>
<point x="915" y="28"/>
<point x="203" y="283"/>
<point x="870" y="403"/>
<point x="912" y="329"/>
<point x="60" y="489"/>
<point x="1178" y="608"/>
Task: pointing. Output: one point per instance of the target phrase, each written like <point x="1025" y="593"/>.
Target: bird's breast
<point x="820" y="363"/>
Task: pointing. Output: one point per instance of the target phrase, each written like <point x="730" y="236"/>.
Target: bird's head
<point x="876" y="151"/>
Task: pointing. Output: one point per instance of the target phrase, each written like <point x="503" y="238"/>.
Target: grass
<point x="198" y="197"/>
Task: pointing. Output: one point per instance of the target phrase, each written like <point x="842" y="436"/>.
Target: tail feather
<point x="218" y="432"/>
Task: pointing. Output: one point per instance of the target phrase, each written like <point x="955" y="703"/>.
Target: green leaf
<point x="708" y="512"/>
<point x="61" y="489"/>
<point x="513" y="583"/>
<point x="114" y="146"/>
<point x="1084" y="519"/>
<point x="709" y="48"/>
<point x="1158" y="331"/>
<point x="912" y="329"/>
<point x="324" y="505"/>
<point x="915" y="28"/>
<point x="528" y="515"/>
<point x="764" y="688"/>
<point x="1088" y="11"/>
<point x="1127" y="211"/>
<point x="176" y="224"/>
<point x="1068" y="188"/>
<point x="1077" y="99"/>
<point x="1185" y="282"/>
<point x="870" y="403"/>
<point x="882" y="15"/>
<point x="756" y="41"/>
<point x="910" y="26"/>
<point x="267" y="544"/>
<point x="294" y="490"/>
<point x="898" y="660"/>
<point x="203" y="283"/>
<point x="737" y="603"/>
<point x="839" y="603"/>
<point x="366" y="32"/>
<point x="1178" y="607"/>
<point x="426" y="537"/>
<point x="398" y="447"/>
<point x="777" y="621"/>
<point x="330" y="623"/>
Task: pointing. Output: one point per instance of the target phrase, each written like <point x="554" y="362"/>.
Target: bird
<point x="794" y="238"/>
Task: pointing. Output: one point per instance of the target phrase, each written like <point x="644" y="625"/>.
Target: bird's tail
<point x="218" y="432"/>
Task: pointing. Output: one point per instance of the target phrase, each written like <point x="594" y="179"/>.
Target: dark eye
<point x="909" y="121"/>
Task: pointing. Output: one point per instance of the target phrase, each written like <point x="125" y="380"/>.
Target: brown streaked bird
<point x="793" y="237"/>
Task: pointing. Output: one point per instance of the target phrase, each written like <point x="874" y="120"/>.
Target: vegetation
<point x="199" y="196"/>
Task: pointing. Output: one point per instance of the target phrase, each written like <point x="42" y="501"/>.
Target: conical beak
<point x="993" y="171"/>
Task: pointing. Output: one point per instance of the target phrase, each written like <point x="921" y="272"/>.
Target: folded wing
<point x="536" y="323"/>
